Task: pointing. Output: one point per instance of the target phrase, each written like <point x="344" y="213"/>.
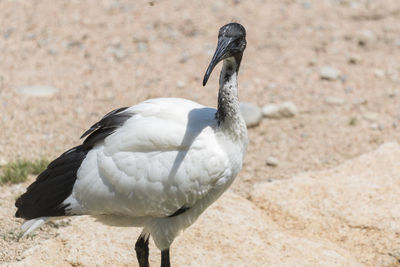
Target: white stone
<point x="271" y="111"/>
<point x="379" y="73"/>
<point x="329" y="73"/>
<point x="180" y="84"/>
<point x="273" y="162"/>
<point x="332" y="100"/>
<point x="359" y="101"/>
<point x="37" y="90"/>
<point x="3" y="161"/>
<point x="366" y="37"/>
<point x="282" y="110"/>
<point x="251" y="114"/>
<point x="374" y="126"/>
<point x="371" y="116"/>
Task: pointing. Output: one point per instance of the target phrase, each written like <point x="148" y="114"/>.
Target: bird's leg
<point x="165" y="258"/>
<point x="142" y="250"/>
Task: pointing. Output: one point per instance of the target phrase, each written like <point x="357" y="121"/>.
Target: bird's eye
<point x="237" y="42"/>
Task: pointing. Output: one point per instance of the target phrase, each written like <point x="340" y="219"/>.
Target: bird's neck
<point x="228" y="113"/>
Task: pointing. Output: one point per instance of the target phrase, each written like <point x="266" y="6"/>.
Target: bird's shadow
<point x="198" y="120"/>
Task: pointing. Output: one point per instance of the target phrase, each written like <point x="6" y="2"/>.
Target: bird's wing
<point x="163" y="158"/>
<point x="46" y="196"/>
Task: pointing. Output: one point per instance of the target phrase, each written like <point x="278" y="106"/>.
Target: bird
<point x="157" y="165"/>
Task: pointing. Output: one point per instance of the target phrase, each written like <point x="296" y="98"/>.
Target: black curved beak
<point x="220" y="54"/>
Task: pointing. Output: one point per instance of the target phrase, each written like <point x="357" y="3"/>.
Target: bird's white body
<point x="170" y="154"/>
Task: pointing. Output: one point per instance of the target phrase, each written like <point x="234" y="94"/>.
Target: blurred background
<point x="64" y="64"/>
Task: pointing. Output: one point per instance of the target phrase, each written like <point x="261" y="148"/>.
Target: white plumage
<point x="166" y="155"/>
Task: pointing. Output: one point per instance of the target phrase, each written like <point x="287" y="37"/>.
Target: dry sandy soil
<point x="107" y="54"/>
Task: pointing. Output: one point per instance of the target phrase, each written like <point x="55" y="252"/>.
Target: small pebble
<point x="354" y="59"/>
<point x="394" y="77"/>
<point x="352" y="121"/>
<point x="73" y="43"/>
<point x="312" y="62"/>
<point x="79" y="110"/>
<point x="277" y="111"/>
<point x="116" y="41"/>
<point x="379" y="73"/>
<point x="393" y="94"/>
<point x="52" y="51"/>
<point x="270" y="86"/>
<point x="8" y="32"/>
<point x="329" y="73"/>
<point x="343" y="78"/>
<point x="141" y="46"/>
<point x="354" y="4"/>
<point x="397" y="43"/>
<point x="273" y="162"/>
<point x="30" y="36"/>
<point x="3" y="161"/>
<point x="251" y="113"/>
<point x="5" y="118"/>
<point x="366" y="38"/>
<point x="43" y="42"/>
<point x="359" y="101"/>
<point x="306" y="4"/>
<point x="118" y="52"/>
<point x="184" y="57"/>
<point x="332" y="100"/>
<point x="371" y="116"/>
<point x="86" y="21"/>
<point x="375" y="126"/>
<point x="348" y="90"/>
<point x="180" y="84"/>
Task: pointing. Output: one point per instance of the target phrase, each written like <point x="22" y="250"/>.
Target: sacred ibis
<point x="157" y="165"/>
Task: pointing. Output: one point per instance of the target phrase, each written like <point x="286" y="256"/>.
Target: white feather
<point x="31" y="225"/>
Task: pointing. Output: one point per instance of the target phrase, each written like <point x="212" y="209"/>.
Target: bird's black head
<point x="231" y="43"/>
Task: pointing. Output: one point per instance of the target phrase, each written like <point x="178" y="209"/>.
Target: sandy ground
<point x="107" y="54"/>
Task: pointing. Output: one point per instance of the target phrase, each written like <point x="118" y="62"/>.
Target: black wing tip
<point x="45" y="196"/>
<point x="18" y="214"/>
<point x="19" y="205"/>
